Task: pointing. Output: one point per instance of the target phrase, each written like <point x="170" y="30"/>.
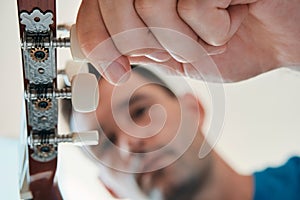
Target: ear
<point x="194" y="105"/>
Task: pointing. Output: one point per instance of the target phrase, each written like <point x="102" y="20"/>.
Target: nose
<point x="131" y="143"/>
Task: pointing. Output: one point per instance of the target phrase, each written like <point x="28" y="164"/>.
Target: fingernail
<point x="76" y="52"/>
<point x="216" y="50"/>
<point x="179" y="58"/>
<point x="159" y="56"/>
<point x="116" y="73"/>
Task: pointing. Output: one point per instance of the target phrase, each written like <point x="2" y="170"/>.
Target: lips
<point x="153" y="163"/>
<point x="153" y="170"/>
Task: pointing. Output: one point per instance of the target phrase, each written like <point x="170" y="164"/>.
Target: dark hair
<point x="136" y="68"/>
<point x="149" y="75"/>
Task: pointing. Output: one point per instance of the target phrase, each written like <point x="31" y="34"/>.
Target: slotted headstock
<point x="37" y="22"/>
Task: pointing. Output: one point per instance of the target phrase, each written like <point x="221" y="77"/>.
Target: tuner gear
<point x="39" y="54"/>
<point x="43" y="104"/>
<point x="45" y="152"/>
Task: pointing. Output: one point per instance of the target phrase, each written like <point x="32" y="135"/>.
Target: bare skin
<point x="244" y="37"/>
<point x="187" y="176"/>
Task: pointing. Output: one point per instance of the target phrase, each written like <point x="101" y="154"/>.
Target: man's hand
<point x="243" y="37"/>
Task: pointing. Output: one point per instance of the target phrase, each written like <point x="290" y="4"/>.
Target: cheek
<point x="181" y="128"/>
<point x="172" y="124"/>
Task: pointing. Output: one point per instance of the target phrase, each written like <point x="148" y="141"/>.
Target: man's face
<point x="150" y="136"/>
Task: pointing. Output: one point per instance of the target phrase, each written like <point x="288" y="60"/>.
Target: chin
<point x="179" y="181"/>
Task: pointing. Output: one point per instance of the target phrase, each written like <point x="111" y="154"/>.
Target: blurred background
<point x="261" y="126"/>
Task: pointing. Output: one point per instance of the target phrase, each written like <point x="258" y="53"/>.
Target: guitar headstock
<point x="39" y="44"/>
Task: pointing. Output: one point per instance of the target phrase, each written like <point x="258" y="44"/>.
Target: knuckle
<point x="145" y="7"/>
<point x="186" y="10"/>
<point x="87" y="45"/>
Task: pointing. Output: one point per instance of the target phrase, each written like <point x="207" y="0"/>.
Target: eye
<point x="138" y="112"/>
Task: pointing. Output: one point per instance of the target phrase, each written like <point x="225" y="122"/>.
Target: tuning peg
<point x="85" y="93"/>
<point x="85" y="138"/>
<point x="73" y="68"/>
<point x="76" y="52"/>
<point x="44" y="146"/>
<point x="76" y="138"/>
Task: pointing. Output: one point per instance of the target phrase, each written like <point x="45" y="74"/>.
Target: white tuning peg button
<point x="85" y="93"/>
<point x="85" y="138"/>
<point x="73" y="68"/>
<point x="76" y="52"/>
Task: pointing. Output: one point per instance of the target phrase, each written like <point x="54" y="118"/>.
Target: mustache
<point x="154" y="169"/>
<point x="147" y="160"/>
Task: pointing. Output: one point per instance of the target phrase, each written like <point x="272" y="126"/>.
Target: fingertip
<point x="216" y="50"/>
<point x="76" y="50"/>
<point x="116" y="72"/>
<point x="212" y="49"/>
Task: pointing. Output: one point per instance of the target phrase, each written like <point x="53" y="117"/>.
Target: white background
<point x="261" y="127"/>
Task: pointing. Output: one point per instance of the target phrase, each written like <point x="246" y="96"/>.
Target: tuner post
<point x="44" y="143"/>
<point x="32" y="94"/>
<point x="55" y="43"/>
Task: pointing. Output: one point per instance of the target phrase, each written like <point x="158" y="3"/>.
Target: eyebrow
<point x="133" y="100"/>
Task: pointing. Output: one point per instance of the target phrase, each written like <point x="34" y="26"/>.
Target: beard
<point x="179" y="181"/>
<point x="187" y="189"/>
